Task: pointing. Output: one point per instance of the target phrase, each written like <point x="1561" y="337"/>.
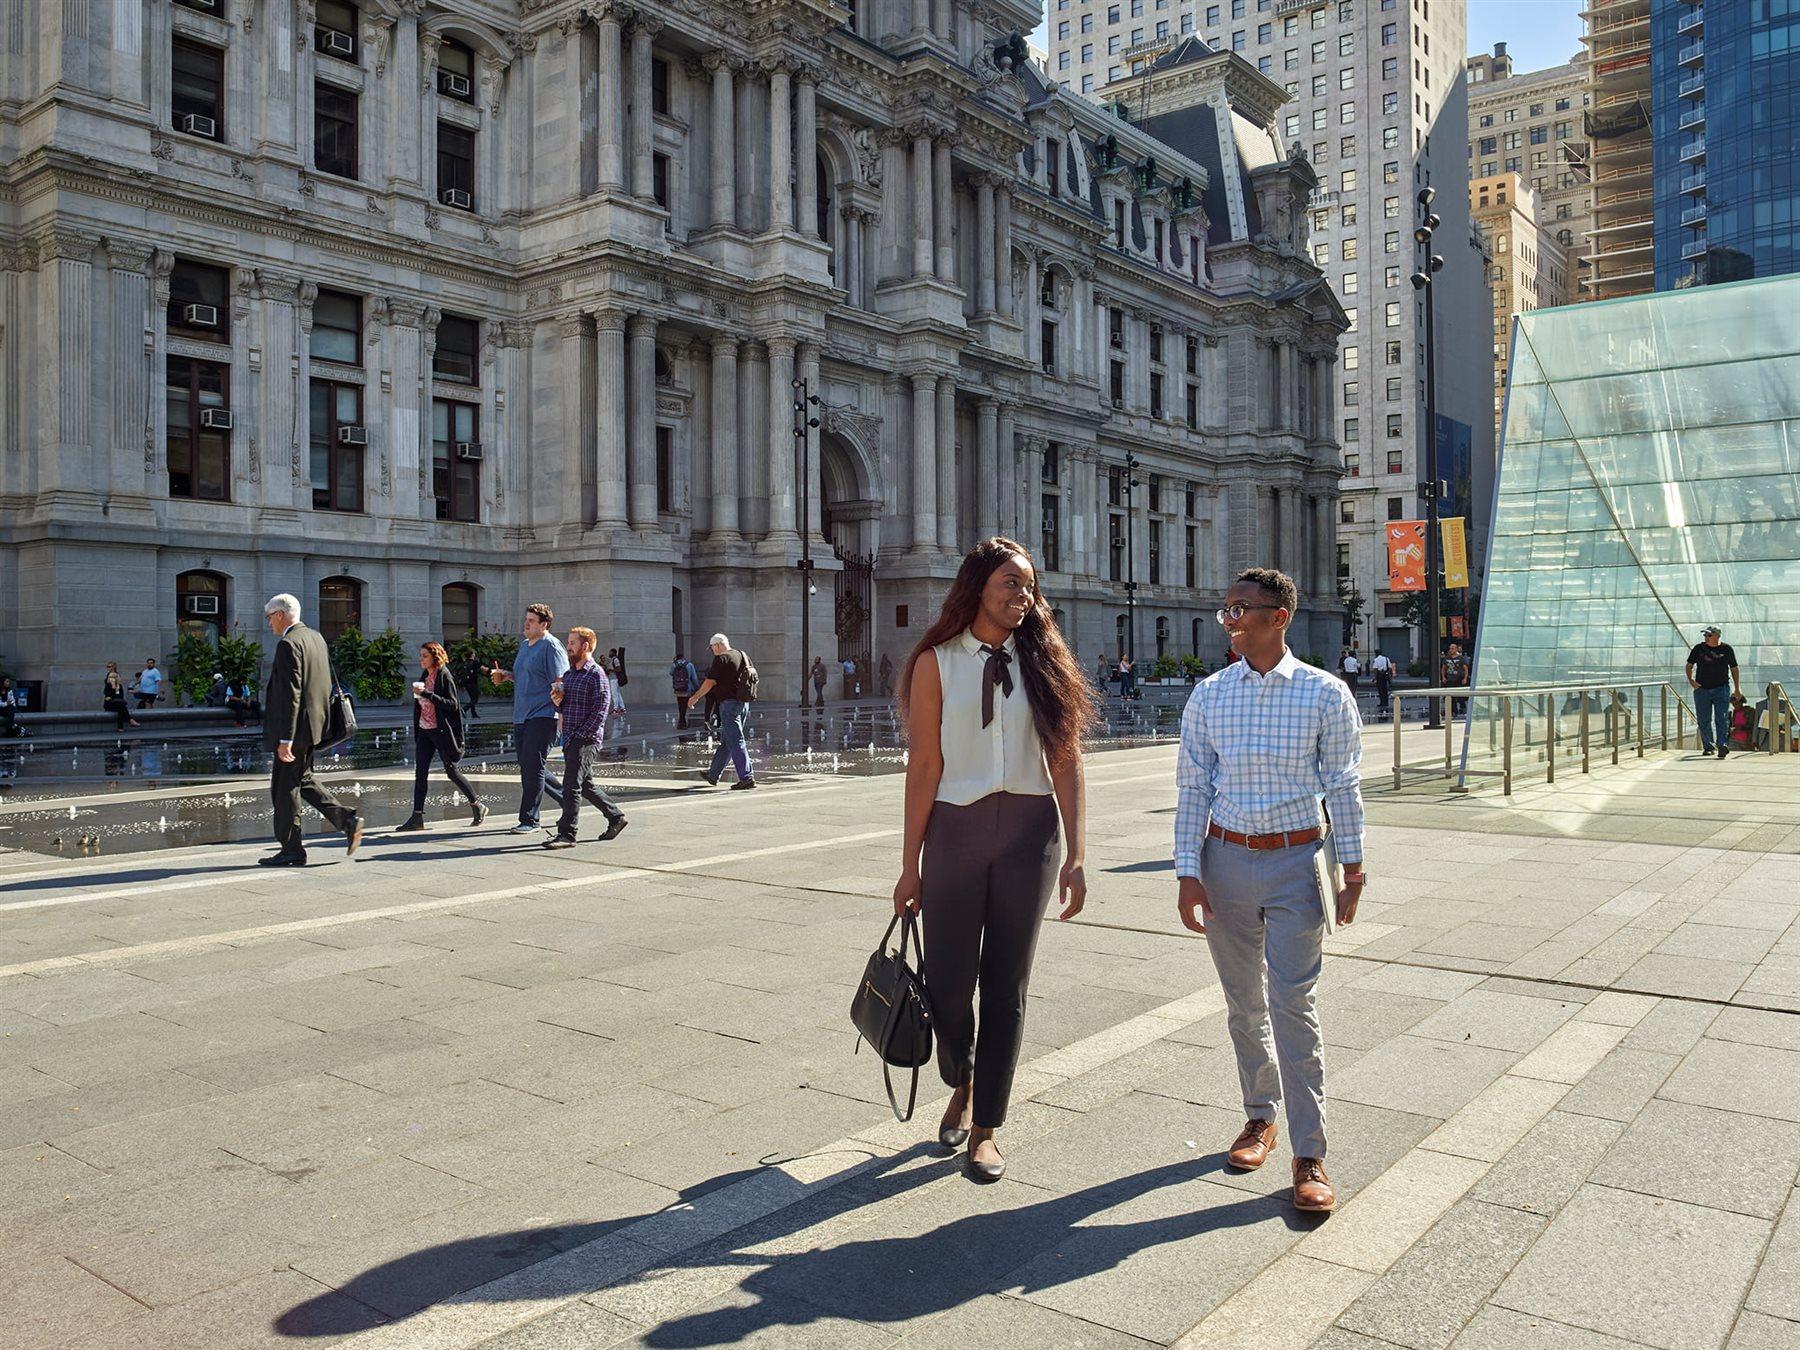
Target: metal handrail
<point x="1782" y="719"/>
<point x="1622" y="720"/>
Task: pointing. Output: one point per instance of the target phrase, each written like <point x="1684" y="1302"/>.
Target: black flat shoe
<point x="282" y="860"/>
<point x="985" y="1172"/>
<point x="478" y="813"/>
<point x="412" y="822"/>
<point x="952" y="1136"/>
<point x="615" y="829"/>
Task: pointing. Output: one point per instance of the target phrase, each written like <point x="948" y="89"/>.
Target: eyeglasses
<point x="1236" y="612"/>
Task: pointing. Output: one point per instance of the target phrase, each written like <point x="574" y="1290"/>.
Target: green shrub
<point x="348" y="655"/>
<point x="240" y="660"/>
<point x="192" y="670"/>
<point x="1193" y="668"/>
<point x="489" y="649"/>
<point x="1165" y="668"/>
<point x="374" y="668"/>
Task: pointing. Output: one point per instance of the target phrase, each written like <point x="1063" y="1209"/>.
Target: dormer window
<point x="1053" y="151"/>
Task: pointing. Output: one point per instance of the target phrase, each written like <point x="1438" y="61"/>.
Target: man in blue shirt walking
<point x="1262" y="743"/>
<point x="540" y="662"/>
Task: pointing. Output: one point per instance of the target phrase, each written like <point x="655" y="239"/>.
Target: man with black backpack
<point x="732" y="675"/>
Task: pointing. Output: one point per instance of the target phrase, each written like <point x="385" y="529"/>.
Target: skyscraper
<point x="1377" y="103"/>
<point x="1724" y="118"/>
<point x="1620" y="251"/>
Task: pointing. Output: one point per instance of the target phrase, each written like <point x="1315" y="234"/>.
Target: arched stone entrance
<point x="850" y="521"/>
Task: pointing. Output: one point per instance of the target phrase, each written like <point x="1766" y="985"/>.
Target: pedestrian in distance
<point x="734" y="680"/>
<point x="996" y="707"/>
<point x="582" y="694"/>
<point x="1127" y="677"/>
<point x="238" y="702"/>
<point x="298" y="695"/>
<point x="1455" y="675"/>
<point x="469" y="681"/>
<point x="437" y="723"/>
<point x="683" y="679"/>
<point x="1350" y="667"/>
<point x="11" y="704"/>
<point x="149" y="684"/>
<point x="852" y="686"/>
<point x="887" y="676"/>
<point x="1262" y="743"/>
<point x="112" y="698"/>
<point x="1382" y="668"/>
<point x="541" y="660"/>
<point x="819" y="676"/>
<point x="1102" y="673"/>
<point x="1712" y="673"/>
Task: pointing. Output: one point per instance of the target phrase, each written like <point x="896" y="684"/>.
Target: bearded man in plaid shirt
<point x="583" y="697"/>
<point x="1263" y="742"/>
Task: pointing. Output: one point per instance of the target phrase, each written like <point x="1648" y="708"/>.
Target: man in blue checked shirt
<point x="582" y="696"/>
<point x="1262" y="742"/>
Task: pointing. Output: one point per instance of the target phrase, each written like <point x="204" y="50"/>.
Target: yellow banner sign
<point x="1456" y="553"/>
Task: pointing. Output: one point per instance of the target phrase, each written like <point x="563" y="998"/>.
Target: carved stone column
<point x="806" y="149"/>
<point x="807" y="368"/>
<point x="949" y="531"/>
<point x="987" y="468"/>
<point x="578" y="500"/>
<point x="724" y="437"/>
<point x="1003" y="296"/>
<point x="923" y="254"/>
<point x="643" y="120"/>
<point x="611" y="95"/>
<point x="610" y="410"/>
<point x="943" y="206"/>
<point x="924" y="463"/>
<point x="985" y="252"/>
<point x="781" y="147"/>
<point x="641" y="399"/>
<point x="781" y="437"/>
<point x="724" y="145"/>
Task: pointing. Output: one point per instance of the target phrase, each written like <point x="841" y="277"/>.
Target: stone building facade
<point x="426" y="311"/>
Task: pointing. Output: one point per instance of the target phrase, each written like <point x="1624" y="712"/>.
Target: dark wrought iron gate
<point x="855" y="605"/>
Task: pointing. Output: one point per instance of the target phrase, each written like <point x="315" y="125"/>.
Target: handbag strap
<point x="887" y="1070"/>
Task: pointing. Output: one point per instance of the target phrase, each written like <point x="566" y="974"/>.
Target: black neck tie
<point x="998" y="672"/>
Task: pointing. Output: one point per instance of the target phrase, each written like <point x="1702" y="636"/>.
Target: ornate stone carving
<point x="378" y="37"/>
<point x="161" y="147"/>
<point x="516" y="333"/>
<point x="432" y="218"/>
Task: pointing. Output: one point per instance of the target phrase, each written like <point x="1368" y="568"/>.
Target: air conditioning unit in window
<point x="202" y="604"/>
<point x="449" y="82"/>
<point x="1118" y="403"/>
<point x="468" y="450"/>
<point x="200" y="316"/>
<point x="338" y="44"/>
<point x="215" y="419"/>
<point x="353" y="435"/>
<point x="196" y="125"/>
<point x="208" y="5"/>
<point x="455" y="197"/>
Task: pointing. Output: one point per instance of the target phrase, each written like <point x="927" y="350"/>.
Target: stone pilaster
<point x="610" y="406"/>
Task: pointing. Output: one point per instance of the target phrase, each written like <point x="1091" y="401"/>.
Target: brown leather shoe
<point x="1251" y="1148"/>
<point x="1312" y="1188"/>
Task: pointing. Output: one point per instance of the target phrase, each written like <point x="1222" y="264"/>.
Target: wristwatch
<point x="1354" y="874"/>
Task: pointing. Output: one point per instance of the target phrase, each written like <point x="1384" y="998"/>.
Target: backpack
<point x="749" y="681"/>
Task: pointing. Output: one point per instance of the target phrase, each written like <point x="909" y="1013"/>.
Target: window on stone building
<point x="456" y="71"/>
<point x="665" y="468"/>
<point x="1156" y="343"/>
<point x="456" y="166"/>
<point x="1347" y="147"/>
<point x="1155" y="553"/>
<point x="198" y="443"/>
<point x="1347" y="511"/>
<point x="197" y="89"/>
<point x="336" y="329"/>
<point x="1193" y="356"/>
<point x="1352" y="466"/>
<point x="1191" y="538"/>
<point x="659" y="180"/>
<point x="1351" y="356"/>
<point x="1352" y="393"/>
<point x="340" y="607"/>
<point x="454" y="357"/>
<point x="1115" y="547"/>
<point x="335" y="30"/>
<point x="1115" y="319"/>
<point x="334" y="130"/>
<point x="1051" y="469"/>
<point x="1352" y="430"/>
<point x="200" y="605"/>
<point x="1117" y="387"/>
<point x="1391" y="314"/>
<point x="456" y="457"/>
<point x="337" y="439"/>
<point x="1347" y="214"/>
<point x="1347" y="247"/>
<point x="1050" y="525"/>
<point x="1393" y="354"/>
<point x="1155" y="487"/>
<point x="1156" y="394"/>
<point x="1193" y="407"/>
<point x="199" y="302"/>
<point x="1115" y="486"/>
<point x="1347" y="78"/>
<point x="1348" y="283"/>
<point x="1390" y="104"/>
<point x="1347" y="180"/>
<point x="1396" y="508"/>
<point x="1118" y="224"/>
<point x="461" y="608"/>
<point x="1047" y="341"/>
<point x="1343" y="563"/>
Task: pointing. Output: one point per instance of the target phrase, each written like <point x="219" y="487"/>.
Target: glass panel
<point x="1648" y="486"/>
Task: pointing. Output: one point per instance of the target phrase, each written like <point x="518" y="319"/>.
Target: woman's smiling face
<point x="1010" y="593"/>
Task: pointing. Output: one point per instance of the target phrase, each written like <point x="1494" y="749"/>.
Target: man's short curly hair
<point x="1278" y="586"/>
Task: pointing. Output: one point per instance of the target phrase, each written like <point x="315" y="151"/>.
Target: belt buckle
<point x="1251" y="844"/>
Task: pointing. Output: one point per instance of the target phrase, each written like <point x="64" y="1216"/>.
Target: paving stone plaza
<point x="461" y="1091"/>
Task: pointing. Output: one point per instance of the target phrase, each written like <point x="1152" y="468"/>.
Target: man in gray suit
<point x="293" y="722"/>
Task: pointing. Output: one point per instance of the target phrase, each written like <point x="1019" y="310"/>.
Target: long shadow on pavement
<point x="1030" y="1247"/>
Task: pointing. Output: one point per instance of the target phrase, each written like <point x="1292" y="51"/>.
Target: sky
<point x="1537" y="33"/>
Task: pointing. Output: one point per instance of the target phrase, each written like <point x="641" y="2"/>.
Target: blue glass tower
<point x="1726" y="114"/>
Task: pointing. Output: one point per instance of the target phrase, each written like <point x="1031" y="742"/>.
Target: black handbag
<point x="892" y="1012"/>
<point x="340" y="712"/>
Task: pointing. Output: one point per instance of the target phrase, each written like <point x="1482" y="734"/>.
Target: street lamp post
<point x="1131" y="482"/>
<point x="1422" y="281"/>
<point x="804" y="424"/>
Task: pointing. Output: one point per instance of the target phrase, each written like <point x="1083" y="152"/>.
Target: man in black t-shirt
<point x="1712" y="673"/>
<point x="727" y="675"/>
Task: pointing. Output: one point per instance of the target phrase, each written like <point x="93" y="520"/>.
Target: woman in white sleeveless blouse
<point x="996" y="707"/>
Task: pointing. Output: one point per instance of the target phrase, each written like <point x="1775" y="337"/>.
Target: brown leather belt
<point x="1258" y="842"/>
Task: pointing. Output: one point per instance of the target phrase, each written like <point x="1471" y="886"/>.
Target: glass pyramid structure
<point x="1648" y="485"/>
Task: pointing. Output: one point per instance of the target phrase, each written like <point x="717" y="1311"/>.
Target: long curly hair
<point x="1062" y="703"/>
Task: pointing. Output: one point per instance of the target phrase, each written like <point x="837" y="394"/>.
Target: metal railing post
<point x="1396" y="743"/>
<point x="1612" y="723"/>
<point x="1584" y="732"/>
<point x="1506" y="739"/>
<point x="1640" y="721"/>
<point x="1449" y="754"/>
<point x="1549" y="738"/>
<point x="1664" y="720"/>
